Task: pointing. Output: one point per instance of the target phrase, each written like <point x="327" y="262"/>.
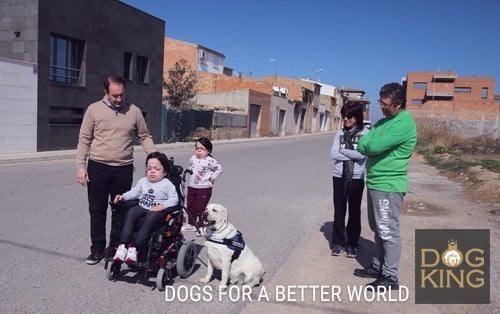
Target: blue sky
<point x="362" y="44"/>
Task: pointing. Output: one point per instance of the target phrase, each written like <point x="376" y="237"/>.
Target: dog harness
<point x="236" y="243"/>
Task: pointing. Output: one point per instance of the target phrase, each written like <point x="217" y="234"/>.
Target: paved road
<point x="273" y="189"/>
<point x="278" y="192"/>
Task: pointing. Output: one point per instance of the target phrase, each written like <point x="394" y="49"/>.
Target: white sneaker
<point x="131" y="255"/>
<point x="188" y="228"/>
<point x="201" y="232"/>
<point x="120" y="254"/>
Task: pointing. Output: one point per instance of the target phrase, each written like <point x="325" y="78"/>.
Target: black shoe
<point x="369" y="272"/>
<point x="386" y="282"/>
<point x="94" y="258"/>
<point x="351" y="252"/>
<point x="337" y="250"/>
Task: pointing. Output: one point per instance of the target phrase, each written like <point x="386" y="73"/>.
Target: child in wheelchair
<point x="151" y="218"/>
<point x="156" y="194"/>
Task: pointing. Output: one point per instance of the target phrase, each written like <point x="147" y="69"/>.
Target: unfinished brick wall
<point x="212" y="83"/>
<point x="446" y="96"/>
<point x="174" y="50"/>
<point x="264" y="100"/>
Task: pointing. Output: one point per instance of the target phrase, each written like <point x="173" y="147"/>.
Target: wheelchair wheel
<point x="162" y="279"/>
<point x="113" y="270"/>
<point x="186" y="259"/>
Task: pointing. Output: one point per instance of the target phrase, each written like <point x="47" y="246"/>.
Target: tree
<point x="181" y="88"/>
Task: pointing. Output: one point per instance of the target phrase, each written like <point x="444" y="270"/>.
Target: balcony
<point x="430" y="93"/>
<point x="439" y="90"/>
<point x="444" y="77"/>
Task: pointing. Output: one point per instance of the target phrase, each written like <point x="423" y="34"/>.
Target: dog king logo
<point x="452" y="266"/>
<point x="452" y="257"/>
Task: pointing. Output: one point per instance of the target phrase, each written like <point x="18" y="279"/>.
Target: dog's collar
<point x="236" y="243"/>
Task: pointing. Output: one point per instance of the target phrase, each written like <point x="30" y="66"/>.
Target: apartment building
<point x="468" y="103"/>
<point x="55" y="57"/>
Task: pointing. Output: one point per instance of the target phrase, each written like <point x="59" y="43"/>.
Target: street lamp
<point x="277" y="64"/>
<point x="316" y="71"/>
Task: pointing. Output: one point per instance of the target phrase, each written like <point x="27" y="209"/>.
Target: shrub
<point x="440" y="149"/>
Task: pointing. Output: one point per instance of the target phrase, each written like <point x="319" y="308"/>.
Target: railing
<point x="66" y="75"/>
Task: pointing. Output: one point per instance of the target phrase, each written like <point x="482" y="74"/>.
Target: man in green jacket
<point x="388" y="147"/>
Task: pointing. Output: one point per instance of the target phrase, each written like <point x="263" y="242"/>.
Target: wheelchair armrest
<point x="173" y="210"/>
<point x="123" y="205"/>
<point x="186" y="172"/>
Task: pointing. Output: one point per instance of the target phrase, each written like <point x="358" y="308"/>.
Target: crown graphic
<point x="452" y="244"/>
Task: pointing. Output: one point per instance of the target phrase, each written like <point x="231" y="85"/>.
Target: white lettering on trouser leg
<point x="383" y="224"/>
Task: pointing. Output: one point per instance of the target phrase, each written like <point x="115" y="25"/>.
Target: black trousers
<point x="105" y="182"/>
<point x="340" y="203"/>
<point x="133" y="215"/>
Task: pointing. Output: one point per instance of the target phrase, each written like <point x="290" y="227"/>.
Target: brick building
<point x="292" y="106"/>
<point x="466" y="103"/>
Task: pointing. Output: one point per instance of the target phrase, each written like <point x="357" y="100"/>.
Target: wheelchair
<point x="166" y="251"/>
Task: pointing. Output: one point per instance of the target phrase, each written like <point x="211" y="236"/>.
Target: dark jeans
<point x="197" y="201"/>
<point x="340" y="202"/>
<point x="150" y="218"/>
<point x="105" y="182"/>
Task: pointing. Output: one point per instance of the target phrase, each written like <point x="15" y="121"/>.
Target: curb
<point x="24" y="157"/>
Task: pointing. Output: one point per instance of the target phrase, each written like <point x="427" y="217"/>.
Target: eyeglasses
<point x="383" y="104"/>
<point x="348" y="116"/>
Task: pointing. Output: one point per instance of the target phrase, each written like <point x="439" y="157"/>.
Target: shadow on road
<point x="327" y="230"/>
<point x="139" y="275"/>
<point x="366" y="248"/>
<point x="41" y="250"/>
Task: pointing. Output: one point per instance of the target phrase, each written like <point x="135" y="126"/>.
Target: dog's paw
<point x="205" y="279"/>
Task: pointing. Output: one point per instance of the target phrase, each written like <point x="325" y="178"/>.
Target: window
<point x="420" y="85"/>
<point x="127" y="66"/>
<point x="66" y="58"/>
<point x="416" y="102"/>
<point x="484" y="93"/>
<point x="462" y="90"/>
<point x="60" y="115"/>
<point x="141" y="69"/>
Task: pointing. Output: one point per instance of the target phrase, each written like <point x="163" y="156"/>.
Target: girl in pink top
<point x="205" y="171"/>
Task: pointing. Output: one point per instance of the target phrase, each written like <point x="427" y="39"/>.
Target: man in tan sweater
<point x="105" y="157"/>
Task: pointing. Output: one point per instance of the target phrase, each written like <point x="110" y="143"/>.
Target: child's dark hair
<point x="162" y="158"/>
<point x="206" y="143"/>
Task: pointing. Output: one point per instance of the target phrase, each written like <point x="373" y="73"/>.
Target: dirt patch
<point x="487" y="186"/>
<point x="480" y="184"/>
<point x="421" y="208"/>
